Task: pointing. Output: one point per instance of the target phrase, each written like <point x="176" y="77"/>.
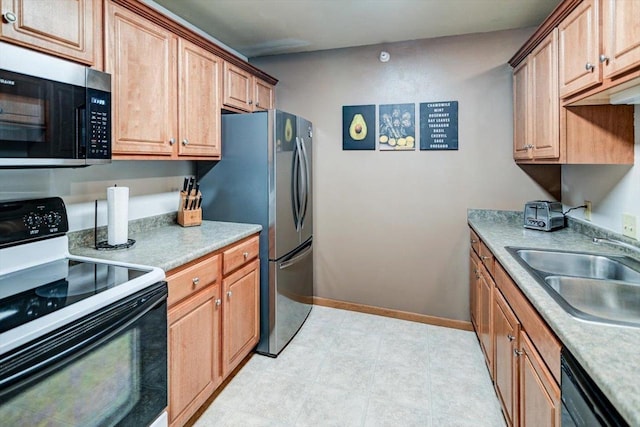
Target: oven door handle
<point x="38" y="358"/>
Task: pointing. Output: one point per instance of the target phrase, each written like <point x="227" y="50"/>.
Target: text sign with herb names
<point x="439" y="125"/>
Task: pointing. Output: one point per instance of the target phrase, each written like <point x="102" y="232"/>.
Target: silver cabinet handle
<point x="484" y="257"/>
<point x="510" y="337"/>
<point x="245" y="255"/>
<point x="218" y="302"/>
<point x="229" y="294"/>
<point x="10" y="17"/>
<point x="172" y="141"/>
<point x="589" y="66"/>
<point x="474" y="241"/>
<point x="195" y="281"/>
<point x="257" y="104"/>
<point x="250" y="102"/>
<point x="517" y="352"/>
<point x="185" y="141"/>
<point x="603" y="58"/>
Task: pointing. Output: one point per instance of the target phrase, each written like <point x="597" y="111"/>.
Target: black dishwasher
<point x="583" y="404"/>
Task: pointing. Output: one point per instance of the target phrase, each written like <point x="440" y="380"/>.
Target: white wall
<point x="153" y="187"/>
<point x="613" y="190"/>
<point x="390" y="227"/>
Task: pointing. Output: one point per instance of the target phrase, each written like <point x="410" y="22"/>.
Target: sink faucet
<point x="614" y="242"/>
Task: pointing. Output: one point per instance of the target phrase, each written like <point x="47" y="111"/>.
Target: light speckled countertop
<point x="608" y="353"/>
<point x="171" y="246"/>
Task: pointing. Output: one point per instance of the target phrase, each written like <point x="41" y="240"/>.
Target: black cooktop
<point x="34" y="292"/>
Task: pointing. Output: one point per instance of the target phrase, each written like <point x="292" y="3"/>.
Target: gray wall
<point x="153" y="187"/>
<point x="390" y="227"/>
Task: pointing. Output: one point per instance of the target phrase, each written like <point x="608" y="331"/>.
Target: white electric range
<point x="82" y="341"/>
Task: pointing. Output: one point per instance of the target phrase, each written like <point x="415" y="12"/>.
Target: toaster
<point x="543" y="215"/>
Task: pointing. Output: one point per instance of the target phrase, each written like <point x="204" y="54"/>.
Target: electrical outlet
<point x="587" y="210"/>
<point x="629" y="225"/>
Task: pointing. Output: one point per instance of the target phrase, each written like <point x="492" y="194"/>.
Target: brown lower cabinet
<point x="213" y="324"/>
<point x="523" y="354"/>
<point x="539" y="392"/>
<point x="507" y="331"/>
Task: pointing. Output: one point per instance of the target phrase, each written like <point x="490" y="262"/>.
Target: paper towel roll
<point x="117" y="215"/>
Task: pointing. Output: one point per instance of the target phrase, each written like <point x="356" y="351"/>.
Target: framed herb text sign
<point x="359" y="127"/>
<point x="439" y="125"/>
<point x="397" y="127"/>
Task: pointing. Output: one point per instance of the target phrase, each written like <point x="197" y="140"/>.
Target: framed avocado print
<point x="397" y="129"/>
<point x="359" y="127"/>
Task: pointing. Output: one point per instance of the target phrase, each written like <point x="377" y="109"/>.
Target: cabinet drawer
<point x="487" y="257"/>
<point x="542" y="337"/>
<point x="239" y="254"/>
<point x="475" y="241"/>
<point x="192" y="278"/>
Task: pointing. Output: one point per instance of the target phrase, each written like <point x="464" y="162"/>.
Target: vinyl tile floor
<point x="352" y="369"/>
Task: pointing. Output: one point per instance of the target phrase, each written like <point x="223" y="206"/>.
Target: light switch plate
<point x="629" y="225"/>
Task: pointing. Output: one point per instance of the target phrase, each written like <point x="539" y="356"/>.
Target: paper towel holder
<point x="104" y="244"/>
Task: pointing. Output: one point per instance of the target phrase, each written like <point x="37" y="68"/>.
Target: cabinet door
<point x="66" y="28"/>
<point x="521" y="99"/>
<point x="539" y="393"/>
<point x="545" y="102"/>
<point x="506" y="329"/>
<point x="485" y="302"/>
<point x="237" y="88"/>
<point x="200" y="95"/>
<point x="194" y="353"/>
<point x="263" y="95"/>
<point x="621" y="35"/>
<point x="474" y="276"/>
<point x="241" y="324"/>
<point x="141" y="57"/>
<point x="579" y="39"/>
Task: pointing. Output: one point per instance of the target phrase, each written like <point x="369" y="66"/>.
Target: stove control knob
<point x="32" y="220"/>
<point x="52" y="219"/>
<point x="33" y="308"/>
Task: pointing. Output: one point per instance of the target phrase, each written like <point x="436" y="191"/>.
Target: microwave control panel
<point x="99" y="124"/>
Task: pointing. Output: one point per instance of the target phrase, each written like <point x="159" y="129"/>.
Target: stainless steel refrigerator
<point x="264" y="177"/>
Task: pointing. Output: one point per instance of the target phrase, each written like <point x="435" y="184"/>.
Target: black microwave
<point x="53" y="113"/>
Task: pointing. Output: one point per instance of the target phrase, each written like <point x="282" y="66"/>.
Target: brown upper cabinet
<point x="536" y="106"/>
<point x="620" y="36"/>
<point x="71" y="29"/>
<point x="579" y="46"/>
<point x="166" y="90"/>
<point x="244" y="92"/>
<point x="599" y="50"/>
<point x="557" y="118"/>
<point x="169" y="84"/>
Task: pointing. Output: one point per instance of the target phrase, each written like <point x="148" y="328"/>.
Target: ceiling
<point x="270" y="27"/>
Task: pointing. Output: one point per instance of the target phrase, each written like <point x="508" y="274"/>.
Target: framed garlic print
<point x="397" y="129"/>
<point x="359" y="127"/>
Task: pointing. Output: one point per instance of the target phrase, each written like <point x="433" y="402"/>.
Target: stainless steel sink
<point x="594" y="287"/>
<point x="579" y="264"/>
<point x="612" y="300"/>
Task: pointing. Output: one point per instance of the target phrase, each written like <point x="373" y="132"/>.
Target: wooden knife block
<point x="189" y="217"/>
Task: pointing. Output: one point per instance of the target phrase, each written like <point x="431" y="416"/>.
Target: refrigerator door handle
<point x="306" y="185"/>
<point x="295" y="186"/>
<point x="296" y="259"/>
